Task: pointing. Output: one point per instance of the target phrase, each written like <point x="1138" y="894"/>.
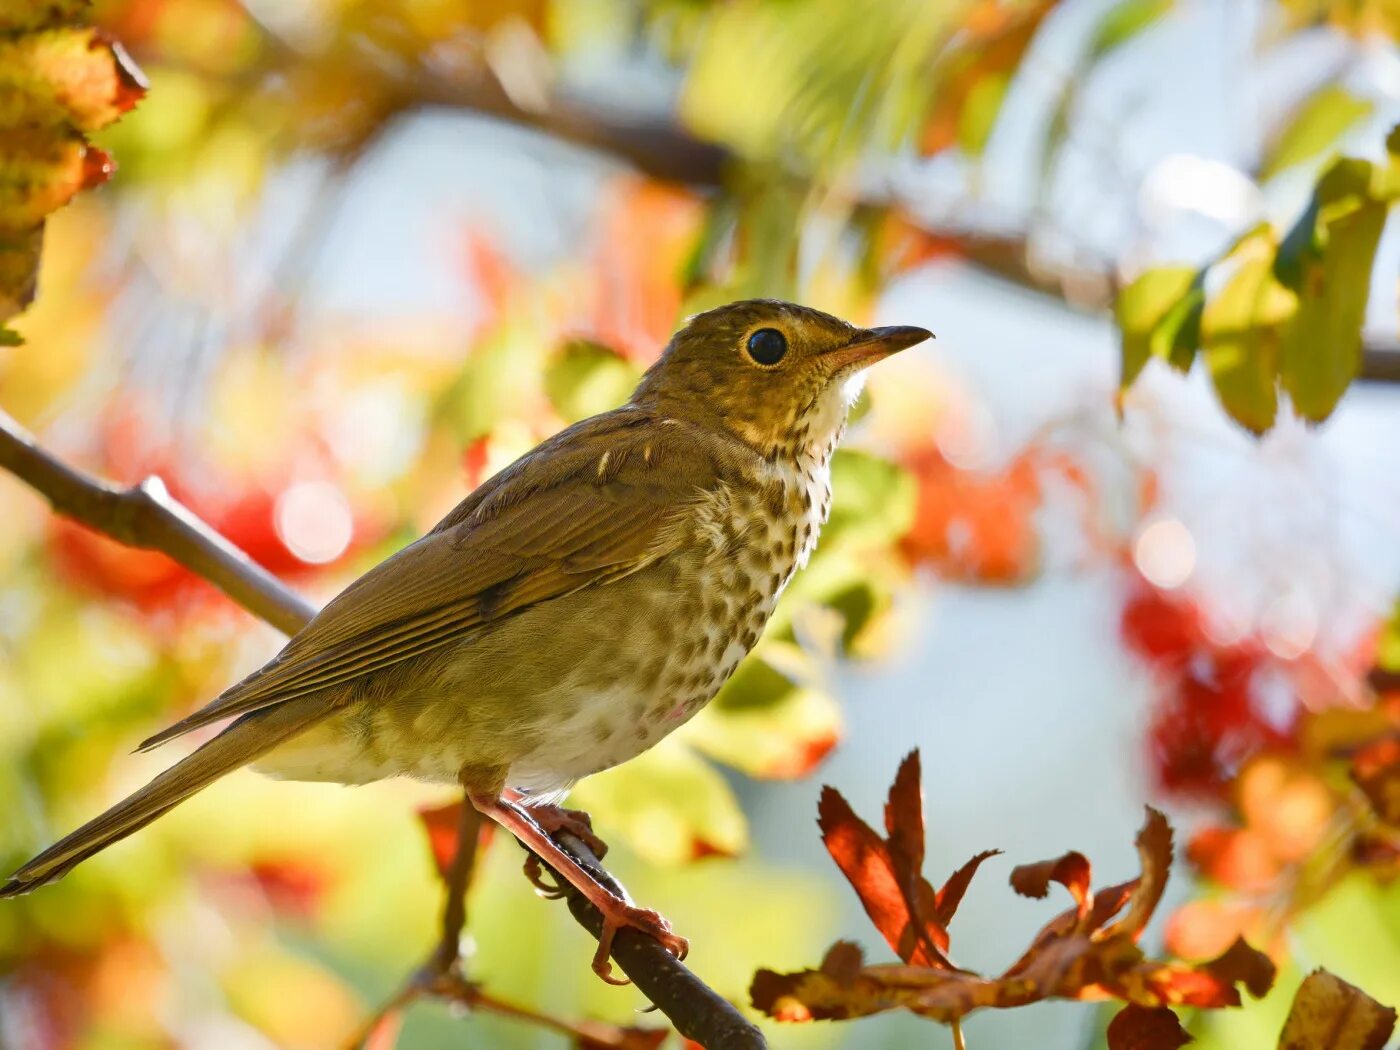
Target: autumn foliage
<point x="1089" y="951"/>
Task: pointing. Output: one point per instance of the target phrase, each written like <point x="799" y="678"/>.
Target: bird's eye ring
<point x="767" y="346"/>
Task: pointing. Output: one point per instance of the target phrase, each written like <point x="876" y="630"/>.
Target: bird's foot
<point x="573" y="821"/>
<point x="619" y="915"/>
<point x="546" y="883"/>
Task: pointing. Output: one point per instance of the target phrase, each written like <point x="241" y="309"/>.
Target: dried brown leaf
<point x="1329" y="1014"/>
<point x="1072" y="871"/>
<point x="1154" y="845"/>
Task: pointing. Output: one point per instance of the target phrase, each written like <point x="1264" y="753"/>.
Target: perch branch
<point x="697" y="1011"/>
<point x="147" y="516"/>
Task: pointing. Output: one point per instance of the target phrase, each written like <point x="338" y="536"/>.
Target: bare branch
<point x="147" y="516"/>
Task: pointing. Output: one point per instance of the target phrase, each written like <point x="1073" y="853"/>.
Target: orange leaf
<point x="1202" y="928"/>
<point x="864" y="858"/>
<point x="1287" y="803"/>
<point x="1146" y="1028"/>
<point x="1329" y="1014"/>
<point x="1236" y="857"/>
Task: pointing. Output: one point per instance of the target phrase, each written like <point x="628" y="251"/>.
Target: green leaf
<point x="1123" y="21"/>
<point x="1143" y="306"/>
<point x="1321" y="352"/>
<point x="587" y="378"/>
<point x="668" y="803"/>
<point x="9" y="337"/>
<point x="1326" y="115"/>
<point x="1240" y="337"/>
<point x="979" y="111"/>
<point x="756" y="684"/>
<point x="1178" y="334"/>
<point x="780" y="740"/>
<point x="872" y="500"/>
<point x="1299" y="247"/>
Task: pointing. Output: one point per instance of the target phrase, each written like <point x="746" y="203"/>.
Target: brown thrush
<point x="569" y="613"/>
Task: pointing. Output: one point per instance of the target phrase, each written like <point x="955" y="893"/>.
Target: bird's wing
<point x="592" y="505"/>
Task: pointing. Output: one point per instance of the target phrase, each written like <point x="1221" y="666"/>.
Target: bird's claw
<point x="573" y="821"/>
<point x="548" y="888"/>
<point x="643" y="920"/>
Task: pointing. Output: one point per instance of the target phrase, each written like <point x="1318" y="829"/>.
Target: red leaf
<point x="442" y="824"/>
<point x="1146" y="1028"/>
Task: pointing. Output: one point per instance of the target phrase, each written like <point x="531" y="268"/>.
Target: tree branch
<point x="147" y="516"/>
<point x="663" y="149"/>
<point x="697" y="1011"/>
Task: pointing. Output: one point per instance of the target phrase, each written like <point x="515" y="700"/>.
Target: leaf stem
<point x="958" y="1041"/>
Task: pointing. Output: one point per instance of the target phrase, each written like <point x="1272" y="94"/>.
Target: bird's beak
<point x="874" y="344"/>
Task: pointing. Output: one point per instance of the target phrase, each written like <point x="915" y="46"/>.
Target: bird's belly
<point x="669" y="663"/>
<point x="566" y="689"/>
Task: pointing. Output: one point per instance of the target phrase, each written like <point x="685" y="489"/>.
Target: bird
<point x="569" y="613"/>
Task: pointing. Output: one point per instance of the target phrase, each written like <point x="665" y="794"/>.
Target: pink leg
<point x="617" y="912"/>
<point x="556" y="818"/>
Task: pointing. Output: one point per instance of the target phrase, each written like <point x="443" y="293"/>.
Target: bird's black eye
<point x="767" y="346"/>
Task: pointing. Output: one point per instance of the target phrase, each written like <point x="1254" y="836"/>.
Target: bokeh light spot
<point x="313" y="519"/>
<point x="1165" y="553"/>
<point x="1289" y="625"/>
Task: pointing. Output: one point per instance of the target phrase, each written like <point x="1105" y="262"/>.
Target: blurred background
<point x="359" y="254"/>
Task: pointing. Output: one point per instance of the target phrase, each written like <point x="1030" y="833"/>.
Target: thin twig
<point x="148" y="517"/>
<point x="459" y="877"/>
<point x="958" y="1042"/>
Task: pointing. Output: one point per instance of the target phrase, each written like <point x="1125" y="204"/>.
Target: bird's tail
<point x="243" y="741"/>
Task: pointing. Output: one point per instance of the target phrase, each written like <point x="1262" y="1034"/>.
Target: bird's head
<point x="775" y="374"/>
